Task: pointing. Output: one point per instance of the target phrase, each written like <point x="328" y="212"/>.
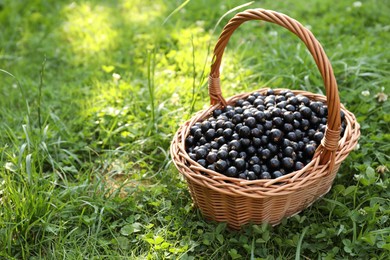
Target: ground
<point x="93" y="91"/>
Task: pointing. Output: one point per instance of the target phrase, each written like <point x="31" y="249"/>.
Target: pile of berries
<point x="260" y="137"/>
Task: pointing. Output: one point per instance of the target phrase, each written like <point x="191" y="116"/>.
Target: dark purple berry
<point x="240" y="164"/>
<point x="202" y="162"/>
<point x="222" y="154"/>
<point x="190" y="141"/>
<point x="256" y="169"/>
<point x="265" y="175"/>
<point x="210" y="134"/>
<point x="250" y="122"/>
<point x="235" y="145"/>
<point x="277" y="174"/>
<point x="287" y="163"/>
<point x="250" y="150"/>
<point x="318" y="137"/>
<point x="221" y="165"/>
<point x="309" y="151"/>
<point x="242" y="175"/>
<point x="245" y="142"/>
<point x="201" y="153"/>
<point x="305" y="112"/>
<point x="268" y="125"/>
<point x="304" y="100"/>
<point x="211" y="167"/>
<point x="227" y="133"/>
<point x="287" y="127"/>
<point x="256" y="142"/>
<point x="251" y="175"/>
<point x="233" y="154"/>
<point x="244" y="131"/>
<point x="231" y="172"/>
<point x="277" y="122"/>
<point x="237" y="118"/>
<point x="274" y="163"/>
<point x="211" y="157"/>
<point x="265" y="154"/>
<point x="299" y="166"/>
<point x="254" y="160"/>
<point x="217" y="112"/>
<point x="275" y="135"/>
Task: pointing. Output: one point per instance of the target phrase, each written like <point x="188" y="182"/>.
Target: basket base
<point x="237" y="211"/>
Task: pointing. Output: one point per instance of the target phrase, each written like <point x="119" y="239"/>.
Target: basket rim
<point x="313" y="171"/>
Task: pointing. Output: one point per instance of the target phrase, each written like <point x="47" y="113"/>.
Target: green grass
<point x="84" y="166"/>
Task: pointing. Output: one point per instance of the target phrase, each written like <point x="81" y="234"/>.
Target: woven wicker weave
<point x="238" y="201"/>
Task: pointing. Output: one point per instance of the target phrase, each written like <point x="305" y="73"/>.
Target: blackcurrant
<point x="221" y="165"/>
<point x="231" y="172"/>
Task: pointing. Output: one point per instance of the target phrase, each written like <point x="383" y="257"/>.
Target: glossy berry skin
<point x="231" y="172"/>
<point x="200" y="153"/>
<point x="287" y="163"/>
<point x="190" y="141"/>
<point x="205" y="126"/>
<point x="256" y="169"/>
<point x="209" y="135"/>
<point x="221" y="165"/>
<point x="318" y="137"/>
<point x="245" y="142"/>
<point x="233" y="154"/>
<point x="250" y="122"/>
<point x="309" y="151"/>
<point x="222" y="154"/>
<point x="242" y="176"/>
<point x="265" y="154"/>
<point x="244" y="131"/>
<point x="298" y="166"/>
<point x="305" y="112"/>
<point x="235" y="145"/>
<point x="276" y="135"/>
<point x="265" y="175"/>
<point x="274" y="163"/>
<point x="256" y="132"/>
<point x="202" y="162"/>
<point x="254" y="160"/>
<point x="277" y="174"/>
<point x="251" y="175"/>
<point x="240" y="164"/>
<point x="277" y="122"/>
<point x="211" y="157"/>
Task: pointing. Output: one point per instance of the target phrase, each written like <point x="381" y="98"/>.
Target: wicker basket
<point x="238" y="201"/>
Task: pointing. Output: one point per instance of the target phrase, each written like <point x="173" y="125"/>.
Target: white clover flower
<point x="175" y="98"/>
<point x="273" y="33"/>
<point x="382" y="97"/>
<point x="116" y="77"/>
<point x="357" y="147"/>
<point x="381" y="169"/>
<point x="362" y="212"/>
<point x="365" y="93"/>
<point x="357" y="4"/>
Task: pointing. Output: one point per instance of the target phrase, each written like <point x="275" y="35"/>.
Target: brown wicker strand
<point x="215" y="92"/>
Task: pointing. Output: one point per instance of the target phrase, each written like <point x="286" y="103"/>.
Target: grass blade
<point x="298" y="252"/>
<point x="176" y="10"/>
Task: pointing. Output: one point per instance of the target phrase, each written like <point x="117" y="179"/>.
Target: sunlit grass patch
<point x="142" y="12"/>
<point x="88" y="30"/>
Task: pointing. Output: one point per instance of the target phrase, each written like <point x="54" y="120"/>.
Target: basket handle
<point x="332" y="134"/>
